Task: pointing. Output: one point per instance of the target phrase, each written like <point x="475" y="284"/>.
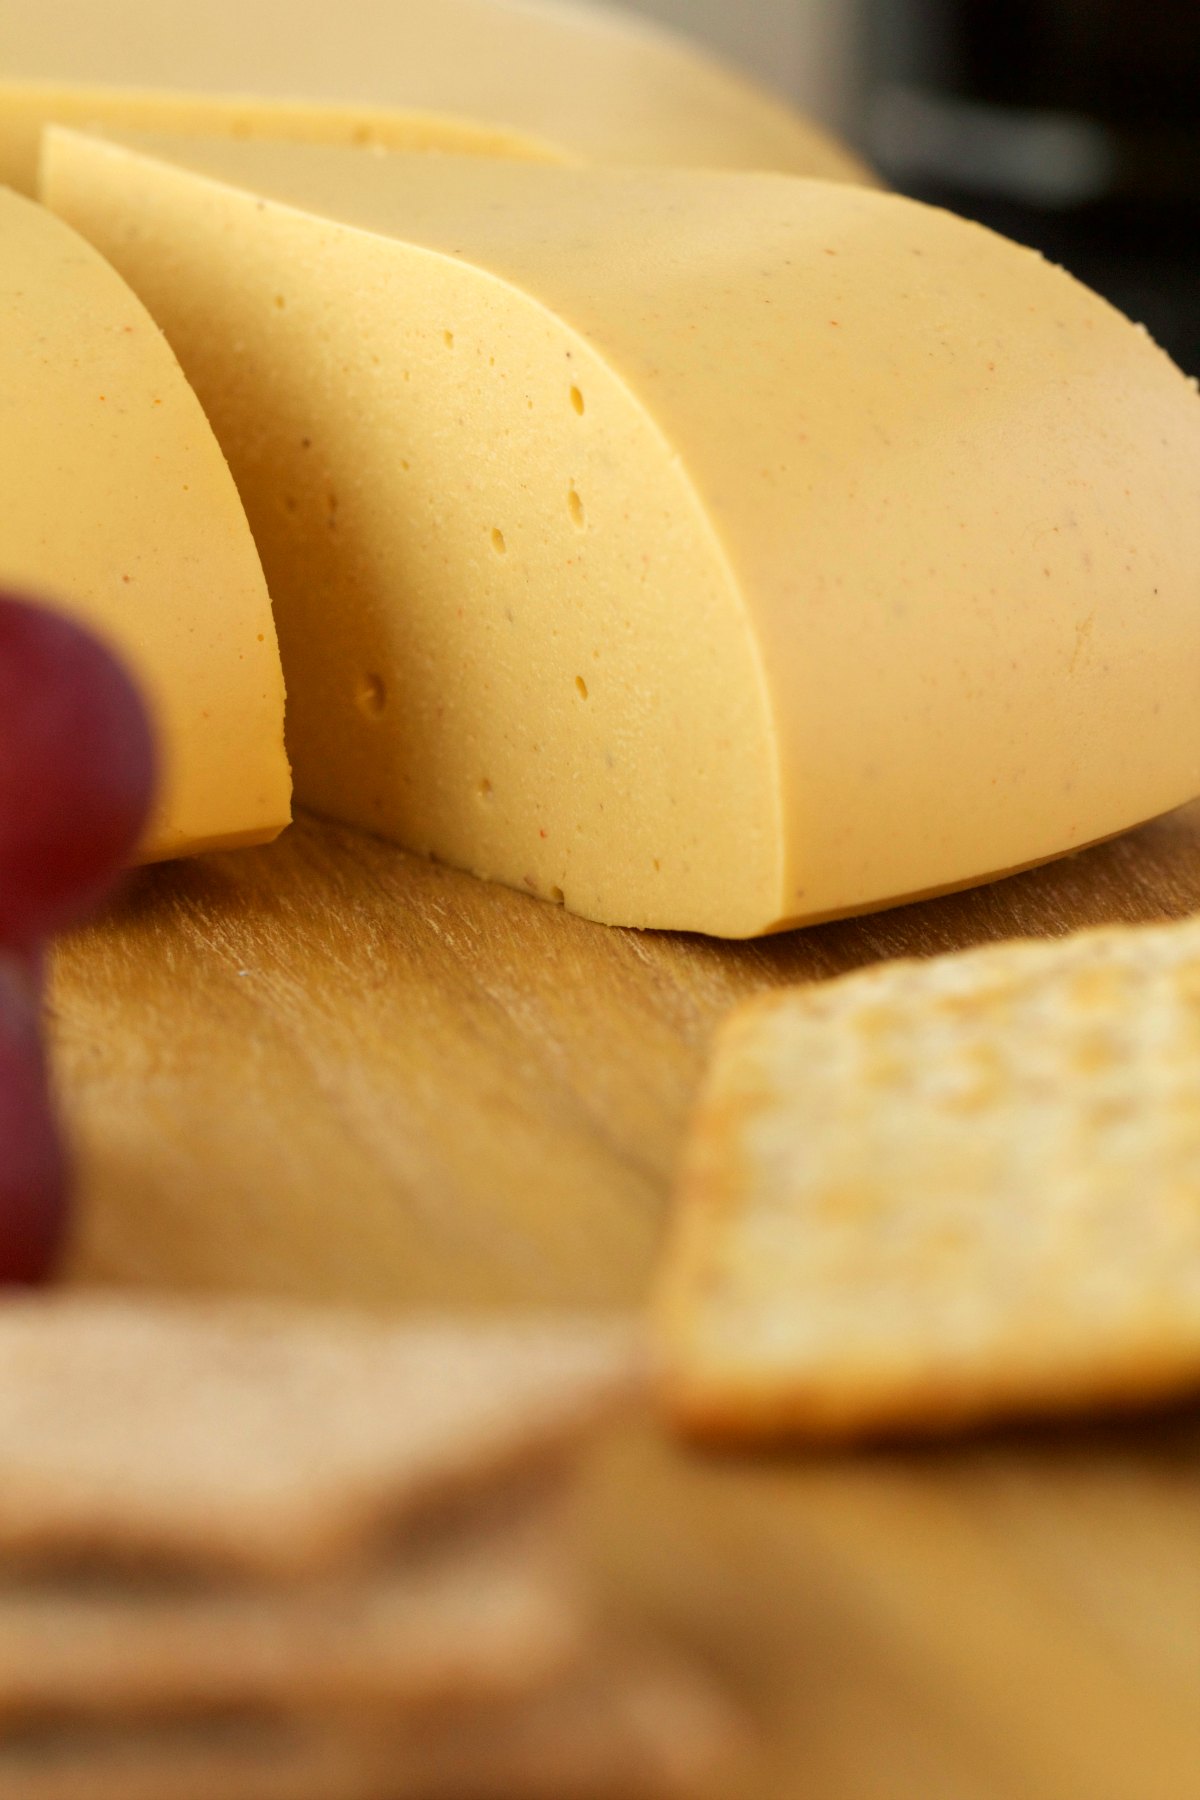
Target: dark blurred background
<point x="1073" y="125"/>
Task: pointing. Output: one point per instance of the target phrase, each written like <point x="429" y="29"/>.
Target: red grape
<point x="33" y="1168"/>
<point x="76" y="770"/>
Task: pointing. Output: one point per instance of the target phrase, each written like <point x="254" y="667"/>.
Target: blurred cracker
<point x="267" y="1437"/>
<point x="938" y="1193"/>
<point x="214" y="1760"/>
<point x="488" y="1612"/>
<point x="648" y="1729"/>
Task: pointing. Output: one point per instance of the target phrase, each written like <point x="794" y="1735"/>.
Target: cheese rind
<point x="505" y="77"/>
<point x="708" y="551"/>
<point x="120" y="510"/>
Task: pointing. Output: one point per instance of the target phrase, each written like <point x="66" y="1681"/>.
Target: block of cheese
<point x="510" y="77"/>
<point x="709" y="551"/>
<point x="119" y="508"/>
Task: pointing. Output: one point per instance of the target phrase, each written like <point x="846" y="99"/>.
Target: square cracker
<point x="941" y="1192"/>
<point x="489" y="1611"/>
<point x="647" y="1728"/>
<point x="267" y="1437"/>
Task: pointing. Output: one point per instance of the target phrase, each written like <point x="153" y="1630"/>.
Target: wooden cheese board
<point x="328" y="1068"/>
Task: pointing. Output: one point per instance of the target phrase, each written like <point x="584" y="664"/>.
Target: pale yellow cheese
<point x="708" y="551"/>
<point x="506" y="77"/>
<point x="117" y="506"/>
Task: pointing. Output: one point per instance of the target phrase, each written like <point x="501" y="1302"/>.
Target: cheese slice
<point x="707" y="551"/>
<point x="119" y="508"/>
<point x="505" y="77"/>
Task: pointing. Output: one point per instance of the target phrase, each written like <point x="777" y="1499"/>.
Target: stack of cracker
<point x="251" y="1554"/>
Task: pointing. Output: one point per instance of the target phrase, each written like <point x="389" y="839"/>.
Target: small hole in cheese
<point x="485" y="790"/>
<point x="448" y="339"/>
<point x="577" y="400"/>
<point x="280" y="302"/>
<point x="557" y="895"/>
<point x="498" y="543"/>
<point x="575" y="508"/>
<point x="581" y="687"/>
<point x="372" y="696"/>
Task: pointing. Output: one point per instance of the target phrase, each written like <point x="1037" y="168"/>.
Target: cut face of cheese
<point x="707" y="551"/>
<point x="119" y="509"/>
<point x="503" y="77"/>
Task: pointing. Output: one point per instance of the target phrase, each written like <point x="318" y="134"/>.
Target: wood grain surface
<point x="330" y="1069"/>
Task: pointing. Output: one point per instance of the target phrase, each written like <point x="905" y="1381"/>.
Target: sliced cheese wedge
<point x="705" y="551"/>
<point x="119" y="508"/>
<point x="504" y="77"/>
